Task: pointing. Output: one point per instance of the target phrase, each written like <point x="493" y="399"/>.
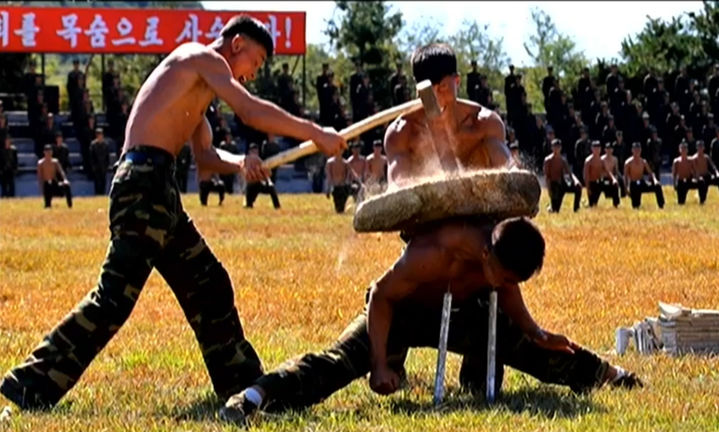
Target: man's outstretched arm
<point x="258" y="113"/>
<point x="418" y="264"/>
<point x="511" y="302"/>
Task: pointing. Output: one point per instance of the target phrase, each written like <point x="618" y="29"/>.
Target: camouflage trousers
<point x="311" y="378"/>
<point x="149" y="229"/>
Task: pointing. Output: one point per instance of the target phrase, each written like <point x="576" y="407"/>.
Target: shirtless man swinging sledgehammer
<point x="149" y="228"/>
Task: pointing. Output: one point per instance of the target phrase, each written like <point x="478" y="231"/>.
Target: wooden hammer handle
<point x="309" y="147"/>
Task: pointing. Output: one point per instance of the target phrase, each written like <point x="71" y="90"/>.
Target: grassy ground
<point x="300" y="275"/>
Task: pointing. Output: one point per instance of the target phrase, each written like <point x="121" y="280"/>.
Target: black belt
<point x="147" y="154"/>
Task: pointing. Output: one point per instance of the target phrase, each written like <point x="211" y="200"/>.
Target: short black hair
<point x="518" y="246"/>
<point x="433" y="62"/>
<point x="252" y="28"/>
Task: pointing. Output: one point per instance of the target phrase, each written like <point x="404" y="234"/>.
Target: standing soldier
<point x="8" y="167"/>
<point x="99" y="160"/>
<point x="654" y="151"/>
<point x="582" y="149"/>
<point x="473" y="84"/>
<point x="61" y="152"/>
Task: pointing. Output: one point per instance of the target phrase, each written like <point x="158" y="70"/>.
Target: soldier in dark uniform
<point x="707" y="132"/>
<point x="85" y="136"/>
<point x="208" y="182"/>
<point x="484" y="94"/>
<point x="61" y="152"/>
<point x="548" y="83"/>
<point x="612" y="80"/>
<point x="652" y="151"/>
<point x="99" y="160"/>
<point x="609" y="133"/>
<point x="713" y="84"/>
<point x="510" y="84"/>
<point x="108" y="84"/>
<point x="395" y="77"/>
<point x="473" y="84"/>
<point x="182" y="167"/>
<point x="681" y="84"/>
<point x="3" y="128"/>
<point x="8" y="167"/>
<point x="582" y="149"/>
<point x="285" y="85"/>
<point x="401" y="91"/>
<point x="255" y="188"/>
<point x="585" y="90"/>
<point x="714" y="147"/>
<point x="600" y="121"/>
<point x="321" y="85"/>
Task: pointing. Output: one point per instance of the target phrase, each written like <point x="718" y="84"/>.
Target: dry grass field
<point x="300" y="275"/>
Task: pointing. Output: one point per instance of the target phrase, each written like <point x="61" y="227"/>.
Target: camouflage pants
<point x="149" y="229"/>
<point x="313" y="377"/>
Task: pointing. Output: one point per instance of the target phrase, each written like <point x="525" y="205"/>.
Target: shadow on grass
<point x="547" y="401"/>
<point x="205" y="408"/>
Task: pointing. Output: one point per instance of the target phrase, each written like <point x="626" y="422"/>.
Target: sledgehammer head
<point x="429" y="99"/>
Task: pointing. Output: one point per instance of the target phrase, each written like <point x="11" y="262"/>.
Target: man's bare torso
<point x="337" y="170"/>
<point x="595" y="168"/>
<point x="48" y="169"/>
<point x="358" y="165"/>
<point x="171" y="103"/>
<point x="555" y="168"/>
<point x="635" y="168"/>
<point x="611" y="164"/>
<point x="683" y="168"/>
<point x="376" y="168"/>
<point x="462" y="243"/>
<point x="701" y="166"/>
<point x="467" y="150"/>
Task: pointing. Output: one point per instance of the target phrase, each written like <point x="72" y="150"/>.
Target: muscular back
<point x="171" y="103"/>
<point x="479" y="143"/>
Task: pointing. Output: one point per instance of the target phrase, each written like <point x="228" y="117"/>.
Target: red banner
<point x="141" y="31"/>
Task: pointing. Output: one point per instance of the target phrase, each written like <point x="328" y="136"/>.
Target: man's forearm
<point x="512" y="303"/>
<point x="220" y="161"/>
<point x="268" y="117"/>
<point x="379" y="317"/>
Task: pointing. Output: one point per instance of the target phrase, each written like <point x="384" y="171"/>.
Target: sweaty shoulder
<point x="486" y="118"/>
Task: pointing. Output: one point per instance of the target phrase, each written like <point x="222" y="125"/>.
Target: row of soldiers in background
<point x="671" y="114"/>
<point x="356" y="176"/>
<point x="601" y="175"/>
<point x="117" y="109"/>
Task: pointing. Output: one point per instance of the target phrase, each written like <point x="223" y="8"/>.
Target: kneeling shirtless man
<point x="468" y="258"/>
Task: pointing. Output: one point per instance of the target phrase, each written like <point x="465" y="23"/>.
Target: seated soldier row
<point x="602" y="176"/>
